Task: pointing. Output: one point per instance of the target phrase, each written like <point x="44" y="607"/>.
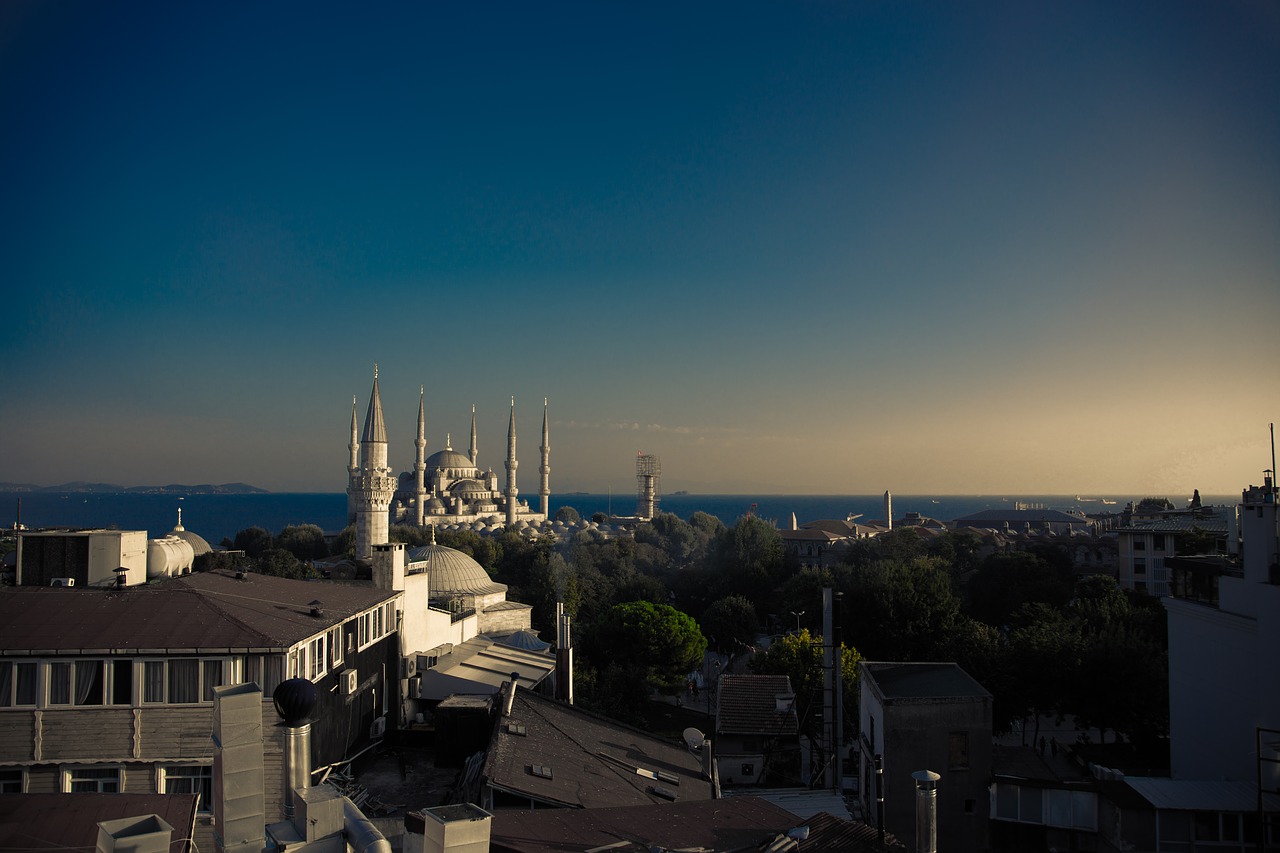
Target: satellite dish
<point x="693" y="738"/>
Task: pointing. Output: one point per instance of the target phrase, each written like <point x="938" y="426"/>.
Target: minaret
<point x="373" y="484"/>
<point x="420" y="465"/>
<point x="512" y="491"/>
<point x="544" y="486"/>
<point x="473" y="452"/>
<point x="888" y="509"/>
<point x="353" y="464"/>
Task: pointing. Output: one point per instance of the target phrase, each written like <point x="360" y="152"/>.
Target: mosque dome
<point x="464" y="488"/>
<point x="195" y="540"/>
<point x="448" y="458"/>
<point x="453" y="572"/>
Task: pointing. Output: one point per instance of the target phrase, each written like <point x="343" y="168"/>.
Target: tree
<point x="656" y="637"/>
<point x="749" y="559"/>
<point x="254" y="541"/>
<point x="568" y="515"/>
<point x="344" y="544"/>
<point x="730" y="623"/>
<point x="799" y="657"/>
<point x="902" y="611"/>
<point x="1008" y="581"/>
<point x="304" y="541"/>
<point x="281" y="564"/>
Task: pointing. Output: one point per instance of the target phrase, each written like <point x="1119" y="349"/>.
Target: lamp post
<point x="797" y="615"/>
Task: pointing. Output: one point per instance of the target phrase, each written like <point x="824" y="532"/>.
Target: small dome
<point x="434" y="503"/>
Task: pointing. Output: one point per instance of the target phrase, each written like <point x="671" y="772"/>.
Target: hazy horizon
<point x="789" y="249"/>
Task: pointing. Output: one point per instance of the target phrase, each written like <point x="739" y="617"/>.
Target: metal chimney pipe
<point x="297" y="763"/>
<point x="926" y="811"/>
<point x="510" y="698"/>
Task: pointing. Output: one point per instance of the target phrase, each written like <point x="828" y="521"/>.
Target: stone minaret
<point x="353" y="464"/>
<point x="544" y="486"/>
<point x="374" y="484"/>
<point x="888" y="509"/>
<point x="473" y="452"/>
<point x="420" y="464"/>
<point x="512" y="491"/>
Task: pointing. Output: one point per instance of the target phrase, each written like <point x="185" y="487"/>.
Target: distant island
<point x="680" y="492"/>
<point x="113" y="488"/>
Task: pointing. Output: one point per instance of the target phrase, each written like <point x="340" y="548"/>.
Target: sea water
<point x="218" y="517"/>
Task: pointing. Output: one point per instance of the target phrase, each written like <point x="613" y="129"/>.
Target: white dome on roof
<point x="449" y="458"/>
<point x="453" y="572"/>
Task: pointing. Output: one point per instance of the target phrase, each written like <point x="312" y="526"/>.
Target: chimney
<point x="146" y="834"/>
<point x="461" y="828"/>
<point x="926" y="811"/>
<point x="564" y="659"/>
<point x="239" y="807"/>
<point x="294" y="700"/>
<point x="510" y="697"/>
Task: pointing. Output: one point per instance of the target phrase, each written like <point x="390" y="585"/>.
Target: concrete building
<point x="112" y="690"/>
<point x="927" y="716"/>
<point x="447" y="487"/>
<point x="1145" y="545"/>
<point x="1224" y="630"/>
<point x="81" y="557"/>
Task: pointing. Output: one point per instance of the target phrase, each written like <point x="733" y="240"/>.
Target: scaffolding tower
<point x="648" y="470"/>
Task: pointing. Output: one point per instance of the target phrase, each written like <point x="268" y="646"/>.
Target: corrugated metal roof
<point x="202" y="611"/>
<point x="1198" y="795"/>
<point x="801" y="802"/>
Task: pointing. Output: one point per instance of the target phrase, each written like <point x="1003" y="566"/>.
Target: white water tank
<point x="168" y="557"/>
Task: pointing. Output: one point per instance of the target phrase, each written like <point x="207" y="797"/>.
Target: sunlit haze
<point x="789" y="248"/>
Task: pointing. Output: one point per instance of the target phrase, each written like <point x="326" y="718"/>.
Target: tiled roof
<point x="741" y="823"/>
<point x="593" y="761"/>
<point x="1183" y="523"/>
<point x="205" y="611"/>
<point x="748" y="704"/>
<point x="70" y="821"/>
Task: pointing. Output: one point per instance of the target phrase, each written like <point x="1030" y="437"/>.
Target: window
<point x="12" y="780"/>
<point x="266" y="671"/>
<point x="122" y="682"/>
<point x="313" y="657"/>
<point x="1139" y="544"/>
<point x="335" y="646"/>
<point x="91" y="780"/>
<point x="181" y="681"/>
<point x="958" y="751"/>
<point x="1139" y="566"/>
<point x="78" y="682"/>
<point x="748" y="770"/>
<point x="17" y="683"/>
<point x="188" y="779"/>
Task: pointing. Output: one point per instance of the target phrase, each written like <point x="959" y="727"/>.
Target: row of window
<point x="89" y="682"/>
<point x="98" y="779"/>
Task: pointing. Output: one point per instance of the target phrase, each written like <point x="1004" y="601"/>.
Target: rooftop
<point x="201" y="612"/>
<point x="924" y="681"/>
<point x="70" y="821"/>
<point x="749" y="704"/>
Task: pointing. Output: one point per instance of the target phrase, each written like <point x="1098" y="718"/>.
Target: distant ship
<point x="1108" y="503"/>
<point x="1088" y="500"/>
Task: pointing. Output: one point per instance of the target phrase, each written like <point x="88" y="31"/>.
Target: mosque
<point x="446" y="488"/>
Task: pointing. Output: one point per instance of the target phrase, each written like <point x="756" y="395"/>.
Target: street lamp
<point x="797" y="615"/>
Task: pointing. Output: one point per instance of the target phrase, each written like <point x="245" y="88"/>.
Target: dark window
<point x="748" y="770"/>
<point x="11" y="780"/>
<point x="1139" y="565"/>
<point x="958" y="750"/>
<point x="122" y="682"/>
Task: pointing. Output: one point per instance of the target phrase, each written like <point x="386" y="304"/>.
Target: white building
<point x="1144" y="546"/>
<point x="1224" y="631"/>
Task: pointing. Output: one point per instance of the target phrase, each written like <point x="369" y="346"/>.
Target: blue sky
<point x="790" y="248"/>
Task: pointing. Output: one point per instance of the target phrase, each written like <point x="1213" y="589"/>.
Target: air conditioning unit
<point x="379" y="727"/>
<point x="350" y="682"/>
<point x="63" y="582"/>
<point x="409" y="666"/>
